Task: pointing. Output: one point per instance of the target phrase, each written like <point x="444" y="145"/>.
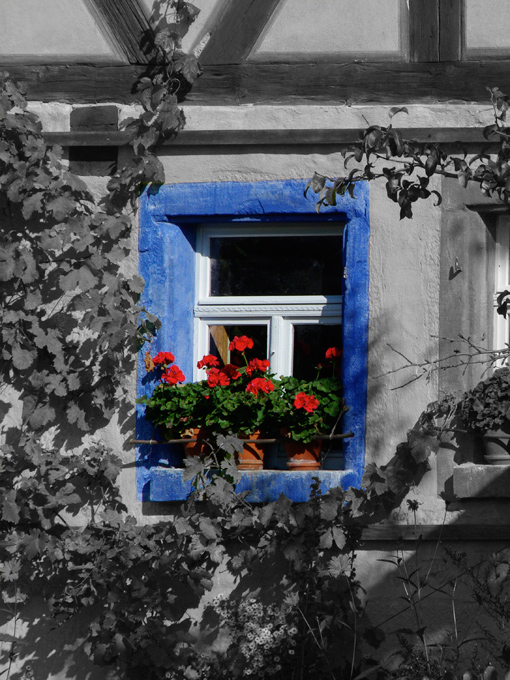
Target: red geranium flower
<point x="306" y="401"/>
<point x="260" y="385"/>
<point x="163" y="359"/>
<point x="257" y="365"/>
<point x="241" y="343"/>
<point x="173" y="375"/>
<point x="208" y="361"/>
<point x="231" y="371"/>
<point x="333" y="353"/>
<point x="215" y="377"/>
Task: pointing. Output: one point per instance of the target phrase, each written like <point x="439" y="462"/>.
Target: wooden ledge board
<point x="434" y="532"/>
<point x="327" y="137"/>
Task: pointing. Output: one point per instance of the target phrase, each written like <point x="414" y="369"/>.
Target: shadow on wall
<point x="52" y="652"/>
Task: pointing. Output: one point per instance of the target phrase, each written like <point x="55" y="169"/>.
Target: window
<point x="279" y="284"/>
<point x="222" y="257"/>
<point x="502" y="280"/>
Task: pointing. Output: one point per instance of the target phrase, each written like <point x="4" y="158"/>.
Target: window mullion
<point x="280" y="349"/>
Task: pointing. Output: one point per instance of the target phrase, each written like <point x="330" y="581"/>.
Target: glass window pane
<point x="310" y="345"/>
<point x="276" y="265"/>
<point x="220" y="338"/>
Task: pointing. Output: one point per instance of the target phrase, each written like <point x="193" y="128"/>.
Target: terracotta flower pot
<point x="199" y="447"/>
<point x="497" y="448"/>
<point x="252" y="457"/>
<point x="302" y="456"/>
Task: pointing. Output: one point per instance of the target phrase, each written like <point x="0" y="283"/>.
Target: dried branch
<point x="474" y="355"/>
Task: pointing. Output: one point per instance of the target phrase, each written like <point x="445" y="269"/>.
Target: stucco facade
<point x="414" y="302"/>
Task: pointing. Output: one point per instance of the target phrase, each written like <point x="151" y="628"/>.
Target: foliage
<point x="241" y="398"/>
<point x="303" y="418"/>
<point x="419" y="161"/>
<point x="489" y="583"/>
<point x="70" y="318"/>
<point x="232" y="398"/>
<point x="487" y="406"/>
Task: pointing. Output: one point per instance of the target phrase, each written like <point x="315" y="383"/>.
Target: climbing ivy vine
<point x="70" y="323"/>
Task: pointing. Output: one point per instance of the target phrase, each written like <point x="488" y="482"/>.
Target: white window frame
<point x="502" y="280"/>
<point x="278" y="313"/>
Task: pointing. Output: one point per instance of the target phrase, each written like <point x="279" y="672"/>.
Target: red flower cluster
<point x="216" y="377"/>
<point x="241" y="343"/>
<point x="333" y="353"/>
<point x="208" y="361"/>
<point x="163" y="359"/>
<point x="257" y="365"/>
<point x="259" y="385"/>
<point x="173" y="375"/>
<point x="231" y="371"/>
<point x="306" y="401"/>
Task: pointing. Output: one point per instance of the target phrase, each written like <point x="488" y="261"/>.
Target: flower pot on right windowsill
<point x="497" y="446"/>
<point x="485" y="411"/>
<point x="301" y="456"/>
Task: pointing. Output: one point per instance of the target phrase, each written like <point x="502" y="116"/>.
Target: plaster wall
<point x="338" y="26"/>
<point x="405" y="260"/>
<point x="404" y="255"/>
<point x="56" y="28"/>
<point x="483" y="33"/>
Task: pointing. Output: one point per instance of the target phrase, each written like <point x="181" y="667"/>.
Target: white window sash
<point x="502" y="280"/>
<point x="279" y="313"/>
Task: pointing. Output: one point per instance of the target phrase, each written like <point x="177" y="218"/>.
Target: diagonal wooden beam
<point x="125" y="24"/>
<point x="238" y="26"/>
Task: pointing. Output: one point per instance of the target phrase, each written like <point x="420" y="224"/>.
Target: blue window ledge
<point x="168" y="218"/>
<point x="263" y="485"/>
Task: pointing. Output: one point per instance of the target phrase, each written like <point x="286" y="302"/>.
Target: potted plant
<point x="232" y="399"/>
<point x="306" y="410"/>
<point x="249" y="402"/>
<point x="486" y="410"/>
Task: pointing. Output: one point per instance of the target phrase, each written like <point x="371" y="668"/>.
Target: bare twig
<point x="474" y="355"/>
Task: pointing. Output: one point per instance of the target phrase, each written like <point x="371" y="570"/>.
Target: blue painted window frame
<point x="167" y="239"/>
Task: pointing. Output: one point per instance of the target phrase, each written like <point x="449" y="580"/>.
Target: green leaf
<point x="137" y="285"/>
<point x="326" y="540"/>
<point x="41" y="417"/>
<point x="61" y="207"/>
<point x="10" y="508"/>
<point x="33" y="203"/>
<point x="76" y="415"/>
<point x="397" y="109"/>
<point x="316" y="184"/>
<point x="22" y="358"/>
<point x="81" y="278"/>
<point x="207" y="529"/>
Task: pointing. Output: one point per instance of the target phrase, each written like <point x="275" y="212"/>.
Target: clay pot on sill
<point x="497" y="446"/>
<point x="200" y="447"/>
<point x="252" y="457"/>
<point x="302" y="456"/>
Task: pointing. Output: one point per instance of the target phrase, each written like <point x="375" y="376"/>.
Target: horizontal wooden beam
<point x="436" y="532"/>
<point x="276" y="83"/>
<point x="323" y="137"/>
<point x="77" y="83"/>
<point x="350" y="83"/>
